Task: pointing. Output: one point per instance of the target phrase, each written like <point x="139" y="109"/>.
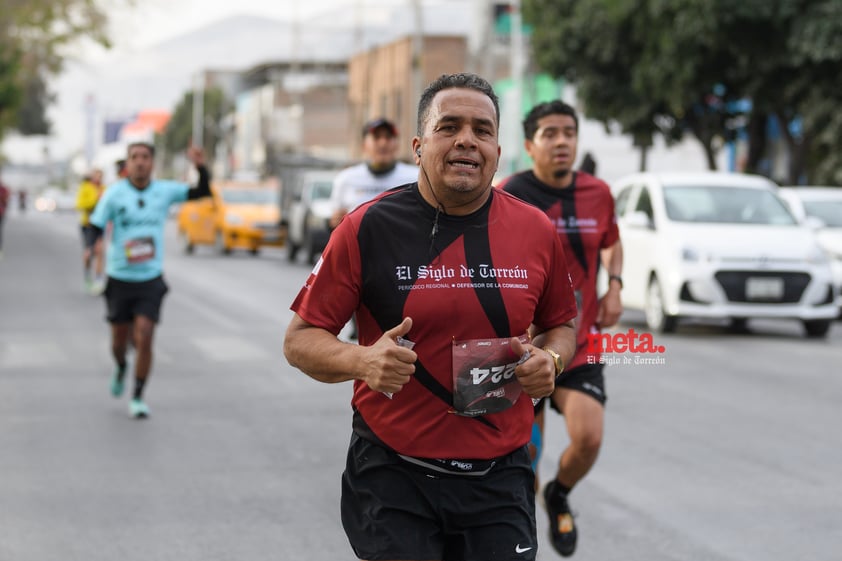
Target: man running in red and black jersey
<point x="582" y="208"/>
<point x="446" y="276"/>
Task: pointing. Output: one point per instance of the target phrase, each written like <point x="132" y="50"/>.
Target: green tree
<point x="637" y="64"/>
<point x="179" y="129"/>
<point x="676" y="66"/>
<point x="601" y="69"/>
<point x="10" y="92"/>
<point x="787" y="56"/>
<point x="32" y="112"/>
<point x="34" y="35"/>
<point x="813" y="91"/>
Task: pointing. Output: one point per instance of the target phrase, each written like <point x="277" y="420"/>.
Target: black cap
<point x="380" y="122"/>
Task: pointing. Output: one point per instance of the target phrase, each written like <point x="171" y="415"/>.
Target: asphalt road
<point x="729" y="450"/>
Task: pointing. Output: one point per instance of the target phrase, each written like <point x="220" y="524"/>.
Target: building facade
<point x="386" y="82"/>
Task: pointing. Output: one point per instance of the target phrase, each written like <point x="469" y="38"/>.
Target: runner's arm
<point x="537" y="374"/>
<point x="202" y="188"/>
<point x="612" y="259"/>
<point x="101" y="215"/>
<point x="561" y="339"/>
<point x="610" y="304"/>
<point x="384" y="366"/>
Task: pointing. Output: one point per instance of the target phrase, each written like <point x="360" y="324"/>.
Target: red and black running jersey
<point x="489" y="274"/>
<point x="583" y="214"/>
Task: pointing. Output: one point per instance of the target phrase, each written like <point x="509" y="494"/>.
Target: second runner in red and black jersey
<point x="583" y="214"/>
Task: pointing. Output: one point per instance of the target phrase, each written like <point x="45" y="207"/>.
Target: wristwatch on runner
<point x="559" y="364"/>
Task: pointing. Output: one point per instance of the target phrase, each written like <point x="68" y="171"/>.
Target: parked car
<point x="309" y="215"/>
<point x="239" y="215"/>
<point x="821" y="208"/>
<point x="718" y="245"/>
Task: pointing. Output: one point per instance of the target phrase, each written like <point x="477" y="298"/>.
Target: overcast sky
<point x="149" y="22"/>
<point x="152" y="21"/>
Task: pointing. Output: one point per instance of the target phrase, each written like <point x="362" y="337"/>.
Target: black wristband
<point x="617" y="278"/>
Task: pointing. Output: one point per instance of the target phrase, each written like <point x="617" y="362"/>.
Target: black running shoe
<point x="562" y="527"/>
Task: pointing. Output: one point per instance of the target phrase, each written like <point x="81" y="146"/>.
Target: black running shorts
<point x="90" y="236"/>
<point x="587" y="378"/>
<point x="125" y="300"/>
<point x="394" y="509"/>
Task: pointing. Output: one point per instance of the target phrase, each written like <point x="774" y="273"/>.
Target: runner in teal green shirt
<point x="137" y="208"/>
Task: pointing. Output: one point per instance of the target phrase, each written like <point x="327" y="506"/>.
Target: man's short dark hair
<point x="555" y="107"/>
<point x="447" y="81"/>
<point x="149" y="146"/>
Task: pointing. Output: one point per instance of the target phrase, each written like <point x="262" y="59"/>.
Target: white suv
<point x="718" y="245"/>
<point x="309" y="214"/>
<point x="821" y="209"/>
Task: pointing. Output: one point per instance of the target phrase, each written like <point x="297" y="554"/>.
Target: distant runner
<point x="137" y="207"/>
<point x="87" y="197"/>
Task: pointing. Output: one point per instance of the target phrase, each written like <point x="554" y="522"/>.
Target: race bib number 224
<point x="484" y="379"/>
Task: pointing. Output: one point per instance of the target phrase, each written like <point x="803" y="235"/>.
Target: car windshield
<point x="725" y="205"/>
<point x="830" y="212"/>
<point x="322" y="189"/>
<point x="250" y="196"/>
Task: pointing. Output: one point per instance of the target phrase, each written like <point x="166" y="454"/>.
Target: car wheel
<point x="307" y="242"/>
<point x="255" y="251"/>
<point x="220" y="244"/>
<point x="817" y="327"/>
<point x="656" y="318"/>
<point x="311" y="250"/>
<point x="738" y="325"/>
<point x="184" y="242"/>
<point x="292" y="249"/>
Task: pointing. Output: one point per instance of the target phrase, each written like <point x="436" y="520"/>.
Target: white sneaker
<point x="138" y="409"/>
<point x="97" y="287"/>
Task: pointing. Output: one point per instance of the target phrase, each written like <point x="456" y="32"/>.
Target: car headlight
<point x="817" y="256"/>
<point x="234" y="219"/>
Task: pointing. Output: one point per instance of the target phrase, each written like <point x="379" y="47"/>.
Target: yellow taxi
<point x="239" y="215"/>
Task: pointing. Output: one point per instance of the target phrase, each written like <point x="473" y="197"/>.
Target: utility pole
<point x="198" y="111"/>
<point x="517" y="53"/>
<point x="417" y="49"/>
<point x="359" y="44"/>
<point x="293" y="87"/>
<point x="517" y="69"/>
<point x="90" y="114"/>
